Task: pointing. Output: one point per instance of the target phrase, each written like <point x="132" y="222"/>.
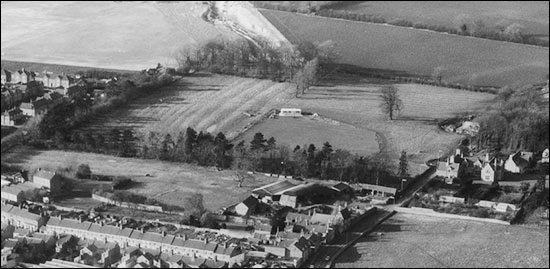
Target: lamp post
<point x="403" y="181"/>
<point x="282" y="168"/>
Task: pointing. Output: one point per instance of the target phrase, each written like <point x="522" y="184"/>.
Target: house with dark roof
<point x="247" y="207"/>
<point x="518" y="162"/>
<point x="37" y="107"/>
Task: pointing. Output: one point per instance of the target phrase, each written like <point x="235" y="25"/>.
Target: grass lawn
<point x="7" y="130"/>
<point x="170" y="183"/>
<point x="118" y="35"/>
<point x="423" y="241"/>
<point x="417" y="52"/>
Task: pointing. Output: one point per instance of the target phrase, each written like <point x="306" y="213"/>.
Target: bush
<point x="121" y="182"/>
<point x="83" y="171"/>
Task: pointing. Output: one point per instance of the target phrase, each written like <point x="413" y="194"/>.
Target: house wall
<point x="242" y="209"/>
<point x="288" y="200"/>
<point x="511" y="166"/>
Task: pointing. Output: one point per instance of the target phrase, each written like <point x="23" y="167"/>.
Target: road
<point x="322" y="257"/>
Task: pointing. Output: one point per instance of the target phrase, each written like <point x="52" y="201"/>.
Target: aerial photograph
<point x="275" y="134"/>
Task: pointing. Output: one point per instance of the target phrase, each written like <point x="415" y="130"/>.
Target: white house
<point x="491" y="172"/>
<point x="545" y="156"/>
<point x="518" y="162"/>
<point x="290" y="112"/>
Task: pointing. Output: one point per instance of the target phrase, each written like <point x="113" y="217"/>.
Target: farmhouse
<point x="11" y="117"/>
<point x="247" y="207"/>
<point x="290" y="112"/>
<point x="21" y="218"/>
<point x="50" y="180"/>
<point x="518" y="162"/>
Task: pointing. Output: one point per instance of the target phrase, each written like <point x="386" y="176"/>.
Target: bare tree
<point x="390" y="100"/>
<point x="306" y="77"/>
<point x="241" y="176"/>
<point x="438" y="74"/>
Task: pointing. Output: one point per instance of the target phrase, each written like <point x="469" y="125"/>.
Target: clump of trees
<point x="517" y="120"/>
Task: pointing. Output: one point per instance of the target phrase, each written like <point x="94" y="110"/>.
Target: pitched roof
<point x="153" y="237"/>
<point x="168" y="239"/>
<point x="250" y="202"/>
<point x="11" y="190"/>
<point x="302" y="244"/>
<point x="45" y="174"/>
<point x="345" y="213"/>
<point x="214" y="264"/>
<point x="69" y="223"/>
<point x="22" y="213"/>
<point x="341" y="186"/>
<point x="275" y="188"/>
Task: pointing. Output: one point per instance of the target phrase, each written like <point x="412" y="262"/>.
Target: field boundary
<point x="431" y="213"/>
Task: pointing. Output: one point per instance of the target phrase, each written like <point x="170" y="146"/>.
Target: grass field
<point x="171" y="183"/>
<point x="7" y="130"/>
<point x="119" y="35"/>
<point x="305" y="131"/>
<point x="416" y="52"/>
<point x="421" y="241"/>
<point x="533" y="15"/>
<point x="355" y="101"/>
<point x="55" y="68"/>
<point x="204" y="102"/>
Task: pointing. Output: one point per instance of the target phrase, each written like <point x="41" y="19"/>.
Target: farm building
<point x="377" y="190"/>
<point x="247" y="207"/>
<point x="273" y="191"/>
<point x="306" y="194"/>
<point x="290" y="112"/>
<point x="50" y="180"/>
<point x="342" y="187"/>
<point x="11" y="117"/>
<point x="518" y="162"/>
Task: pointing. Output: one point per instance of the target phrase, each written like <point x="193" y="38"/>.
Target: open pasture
<point x="305" y="131"/>
<point x="108" y="34"/>
<point x="406" y="51"/>
<point x="356" y="101"/>
<point x="170" y="183"/>
<point x="532" y="15"/>
<point x="421" y="241"/>
<point x="203" y="102"/>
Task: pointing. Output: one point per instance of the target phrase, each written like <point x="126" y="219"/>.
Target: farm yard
<point x="170" y="183"/>
<point x="406" y="51"/>
<point x="203" y="102"/>
<point x="532" y="15"/>
<point x="113" y="34"/>
<point x="407" y="240"/>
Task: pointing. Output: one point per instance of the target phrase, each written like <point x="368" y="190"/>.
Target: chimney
<point x="448" y="161"/>
<point x="185" y="237"/>
<point x="225" y="244"/>
<point x="458" y="152"/>
<point x="141" y="229"/>
<point x="487" y="156"/>
<point x="163" y="233"/>
<point x="206" y="240"/>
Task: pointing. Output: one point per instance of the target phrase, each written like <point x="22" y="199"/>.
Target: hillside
<point x="418" y="52"/>
<point x="117" y="35"/>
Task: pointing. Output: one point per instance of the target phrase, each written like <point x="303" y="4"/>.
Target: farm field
<point x="55" y="68"/>
<point x="356" y="101"/>
<point x="118" y="35"/>
<point x="417" y="52"/>
<point x="423" y="241"/>
<point x="204" y="102"/>
<point x="169" y="182"/>
<point x="532" y="15"/>
<point x="305" y="131"/>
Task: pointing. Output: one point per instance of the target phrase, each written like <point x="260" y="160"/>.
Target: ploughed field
<point x="168" y="182"/>
<point x="532" y="15"/>
<point x="203" y="102"/>
<point x="407" y="51"/>
<point x="407" y="240"/>
<point x="110" y="34"/>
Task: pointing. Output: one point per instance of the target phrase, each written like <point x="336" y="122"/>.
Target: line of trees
<point x="502" y="31"/>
